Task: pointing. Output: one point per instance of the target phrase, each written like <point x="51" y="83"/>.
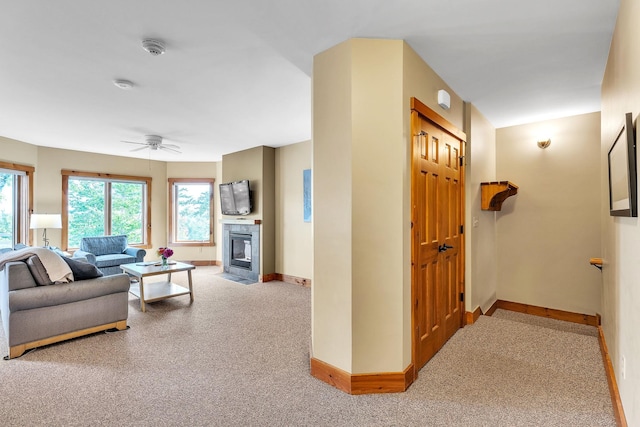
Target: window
<point x="16" y="195"/>
<point x="191" y="211"/>
<point x="102" y="205"/>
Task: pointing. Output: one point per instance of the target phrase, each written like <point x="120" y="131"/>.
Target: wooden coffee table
<point x="150" y="292"/>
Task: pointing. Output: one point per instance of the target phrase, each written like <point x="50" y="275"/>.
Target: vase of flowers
<point x="165" y="253"/>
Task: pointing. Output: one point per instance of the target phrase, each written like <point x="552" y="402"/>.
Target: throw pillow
<point x="82" y="270"/>
<point x="38" y="271"/>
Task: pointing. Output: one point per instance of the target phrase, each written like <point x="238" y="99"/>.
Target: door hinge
<point x="461" y="160"/>
<point x="462" y="229"/>
<point x="461" y="296"/>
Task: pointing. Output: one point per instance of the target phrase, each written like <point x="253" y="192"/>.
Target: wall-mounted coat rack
<point x="494" y="193"/>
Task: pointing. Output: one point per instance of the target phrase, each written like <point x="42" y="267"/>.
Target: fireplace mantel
<point x="241" y="221"/>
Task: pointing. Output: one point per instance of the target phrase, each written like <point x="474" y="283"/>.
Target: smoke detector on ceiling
<point x="123" y="84"/>
<point x="153" y="46"/>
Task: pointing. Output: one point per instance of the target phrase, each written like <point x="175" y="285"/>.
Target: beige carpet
<point x="239" y="355"/>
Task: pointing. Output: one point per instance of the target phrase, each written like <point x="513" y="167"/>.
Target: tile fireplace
<point x="241" y="249"/>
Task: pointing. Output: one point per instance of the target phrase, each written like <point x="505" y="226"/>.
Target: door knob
<point x="444" y="247"/>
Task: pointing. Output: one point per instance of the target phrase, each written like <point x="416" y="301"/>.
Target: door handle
<point x="444" y="247"/>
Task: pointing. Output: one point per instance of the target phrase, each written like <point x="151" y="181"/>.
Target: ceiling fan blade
<point x="141" y="148"/>
<point x="165" y="147"/>
<point x="177" y="147"/>
<point x="137" y="143"/>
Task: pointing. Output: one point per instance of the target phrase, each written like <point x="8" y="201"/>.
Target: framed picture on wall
<point x="306" y="194"/>
<point x="623" y="183"/>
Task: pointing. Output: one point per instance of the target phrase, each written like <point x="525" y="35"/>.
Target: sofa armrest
<point x="88" y="256"/>
<point x="139" y="253"/>
<point x="16" y="276"/>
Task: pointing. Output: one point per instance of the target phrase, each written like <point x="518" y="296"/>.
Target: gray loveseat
<point x="35" y="315"/>
<point x="108" y="252"/>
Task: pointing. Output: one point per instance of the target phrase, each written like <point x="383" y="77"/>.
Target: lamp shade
<point x="45" y="221"/>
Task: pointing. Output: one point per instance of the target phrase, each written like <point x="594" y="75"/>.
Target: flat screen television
<point x="235" y="198"/>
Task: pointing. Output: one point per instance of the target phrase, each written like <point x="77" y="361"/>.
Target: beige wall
<point x="480" y="230"/>
<point x="377" y="163"/>
<point x="548" y="232"/>
<point x="621" y="236"/>
<point x="12" y="151"/>
<point x="361" y="164"/>
<point x="331" y="300"/>
<point x="246" y="164"/>
<point x="48" y="184"/>
<point x="294" y="238"/>
<point x="258" y="166"/>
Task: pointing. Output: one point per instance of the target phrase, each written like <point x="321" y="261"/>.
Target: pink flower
<point x="165" y="252"/>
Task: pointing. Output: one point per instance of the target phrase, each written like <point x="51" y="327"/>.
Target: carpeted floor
<point x="239" y="356"/>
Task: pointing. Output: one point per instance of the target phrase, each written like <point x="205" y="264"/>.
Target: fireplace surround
<point x="241" y="249"/>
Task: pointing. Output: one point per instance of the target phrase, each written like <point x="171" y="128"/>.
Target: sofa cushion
<point x="82" y="270"/>
<point x="104" y="245"/>
<point x="38" y="271"/>
<point x="114" y="259"/>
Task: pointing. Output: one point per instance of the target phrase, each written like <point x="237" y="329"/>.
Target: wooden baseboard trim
<point x="387" y="382"/>
<point x="204" y="263"/>
<point x="18" y="350"/>
<point x="294" y="280"/>
<point x="618" y="410"/>
<point x="267" y="277"/>
<point x="492" y="309"/>
<point x="567" y="316"/>
<point x="472" y="316"/>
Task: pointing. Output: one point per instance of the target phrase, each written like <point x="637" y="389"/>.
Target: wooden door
<point x="437" y="231"/>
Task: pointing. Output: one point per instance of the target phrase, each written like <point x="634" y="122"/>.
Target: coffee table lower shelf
<point x="158" y="291"/>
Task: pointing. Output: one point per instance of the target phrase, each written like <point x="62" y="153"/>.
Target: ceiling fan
<point x="154" y="142"/>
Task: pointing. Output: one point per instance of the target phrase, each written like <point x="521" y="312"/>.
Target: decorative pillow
<point x="38" y="271"/>
<point x="82" y="270"/>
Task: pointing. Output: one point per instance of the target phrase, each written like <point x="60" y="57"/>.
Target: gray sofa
<point x="35" y="315"/>
<point x="108" y="252"/>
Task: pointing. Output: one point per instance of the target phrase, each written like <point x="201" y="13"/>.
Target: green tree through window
<point x="106" y="206"/>
<point x="16" y="183"/>
<point x="7" y="208"/>
<point x="191" y="207"/>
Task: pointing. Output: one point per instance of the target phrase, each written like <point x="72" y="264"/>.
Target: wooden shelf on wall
<point x="494" y="193"/>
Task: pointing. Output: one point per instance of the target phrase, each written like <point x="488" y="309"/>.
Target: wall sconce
<point x="544" y="143"/>
<point x="45" y="221"/>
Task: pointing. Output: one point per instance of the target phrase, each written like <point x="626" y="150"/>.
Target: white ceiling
<point x="236" y="74"/>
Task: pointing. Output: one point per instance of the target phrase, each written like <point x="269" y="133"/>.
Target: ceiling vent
<point x="153" y="46"/>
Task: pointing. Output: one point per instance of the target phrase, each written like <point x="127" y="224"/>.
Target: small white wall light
<point x="444" y="100"/>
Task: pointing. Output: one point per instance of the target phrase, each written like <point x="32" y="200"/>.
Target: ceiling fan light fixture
<point x="154" y="142"/>
<point x="153" y="46"/>
<point x="153" y="139"/>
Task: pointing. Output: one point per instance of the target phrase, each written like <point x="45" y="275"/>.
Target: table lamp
<point x="45" y="221"/>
